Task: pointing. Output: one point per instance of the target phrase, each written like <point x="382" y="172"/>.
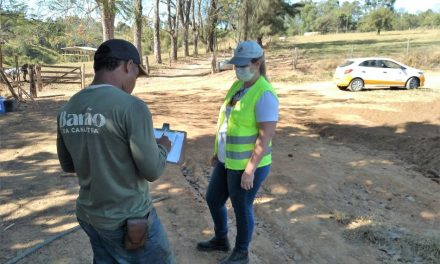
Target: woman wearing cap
<point x="242" y="151"/>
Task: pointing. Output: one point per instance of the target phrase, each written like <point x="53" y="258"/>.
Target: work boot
<point x="220" y="244"/>
<point x="237" y="257"/>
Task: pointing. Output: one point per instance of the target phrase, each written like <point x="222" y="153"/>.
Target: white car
<point x="356" y="73"/>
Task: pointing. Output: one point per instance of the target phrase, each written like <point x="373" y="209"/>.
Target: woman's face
<point x="248" y="72"/>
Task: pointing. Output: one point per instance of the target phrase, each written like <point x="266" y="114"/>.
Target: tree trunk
<point x="201" y="27"/>
<point x="260" y="41"/>
<point x="174" y="48"/>
<point x="245" y="19"/>
<point x="108" y="12"/>
<point x="195" y="29"/>
<point x="212" y="23"/>
<point x="176" y="30"/>
<point x="156" y="48"/>
<point x="138" y="27"/>
<point x="173" y="24"/>
<point x="184" y="13"/>
<point x="1" y="55"/>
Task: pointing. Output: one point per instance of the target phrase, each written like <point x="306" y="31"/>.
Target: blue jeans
<point x="224" y="184"/>
<point x="108" y="245"/>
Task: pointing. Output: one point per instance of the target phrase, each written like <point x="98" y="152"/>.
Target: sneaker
<point x="214" y="244"/>
<point x="237" y="257"/>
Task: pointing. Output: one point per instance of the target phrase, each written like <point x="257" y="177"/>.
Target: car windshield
<point x="346" y="63"/>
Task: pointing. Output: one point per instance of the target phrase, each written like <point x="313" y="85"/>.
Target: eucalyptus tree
<point x="107" y="9"/>
<point x="211" y="26"/>
<point x="156" y="33"/>
<point x="267" y="17"/>
<point x="137" y="29"/>
<point x="184" y="14"/>
<point x="173" y="8"/>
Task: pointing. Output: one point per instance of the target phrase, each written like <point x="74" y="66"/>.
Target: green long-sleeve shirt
<point x="106" y="136"/>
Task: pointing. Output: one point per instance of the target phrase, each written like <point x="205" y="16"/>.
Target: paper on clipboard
<point x="177" y="139"/>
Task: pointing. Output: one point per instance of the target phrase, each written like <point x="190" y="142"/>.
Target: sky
<point x="412" y="6"/>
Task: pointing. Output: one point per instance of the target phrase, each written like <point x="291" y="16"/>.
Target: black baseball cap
<point x="119" y="49"/>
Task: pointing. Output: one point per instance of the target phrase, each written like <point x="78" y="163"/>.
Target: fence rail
<point x="48" y="74"/>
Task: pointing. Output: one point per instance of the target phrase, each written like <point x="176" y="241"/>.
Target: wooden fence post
<point x="38" y="75"/>
<point x="295" y="57"/>
<point x="16" y="67"/>
<point x="33" y="90"/>
<point x="83" y="76"/>
<point x="169" y="56"/>
<point x="213" y="62"/>
<point x="147" y="64"/>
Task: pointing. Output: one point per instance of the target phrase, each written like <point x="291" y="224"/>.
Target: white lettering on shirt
<point x="81" y="123"/>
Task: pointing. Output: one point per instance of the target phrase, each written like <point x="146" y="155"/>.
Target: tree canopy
<point x="40" y="37"/>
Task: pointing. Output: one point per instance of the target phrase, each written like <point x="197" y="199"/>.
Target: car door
<point x="370" y="72"/>
<point x="392" y="73"/>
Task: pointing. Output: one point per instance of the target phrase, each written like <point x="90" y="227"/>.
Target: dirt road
<point x="355" y="177"/>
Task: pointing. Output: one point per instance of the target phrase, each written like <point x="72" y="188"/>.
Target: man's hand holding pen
<point x="164" y="140"/>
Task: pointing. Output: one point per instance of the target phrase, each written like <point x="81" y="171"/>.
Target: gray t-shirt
<point x="106" y="136"/>
<point x="266" y="110"/>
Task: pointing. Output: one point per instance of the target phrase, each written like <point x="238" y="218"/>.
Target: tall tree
<point x="350" y="15"/>
<point x="184" y="14"/>
<point x="195" y="28"/>
<point x="211" y="27"/>
<point x="138" y="26"/>
<point x="201" y="27"/>
<point x="173" y="25"/>
<point x="379" y="19"/>
<point x="108" y="13"/>
<point x="156" y="33"/>
<point x="269" y="16"/>
<point x="245" y="19"/>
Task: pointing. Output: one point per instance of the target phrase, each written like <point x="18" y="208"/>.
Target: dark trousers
<point x="224" y="184"/>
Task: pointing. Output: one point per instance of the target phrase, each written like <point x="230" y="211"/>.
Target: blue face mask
<point x="244" y="74"/>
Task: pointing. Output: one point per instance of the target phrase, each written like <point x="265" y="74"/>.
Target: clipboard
<point x="178" y="140"/>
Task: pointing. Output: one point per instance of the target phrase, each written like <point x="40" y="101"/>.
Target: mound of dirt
<point x="422" y="151"/>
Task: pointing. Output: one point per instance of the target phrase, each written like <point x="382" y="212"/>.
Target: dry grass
<point x="320" y="55"/>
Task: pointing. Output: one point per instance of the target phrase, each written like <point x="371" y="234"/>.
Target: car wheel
<point x="412" y="83"/>
<point x="343" y="88"/>
<point x="356" y="84"/>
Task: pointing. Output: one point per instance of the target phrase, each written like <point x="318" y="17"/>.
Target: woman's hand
<point x="247" y="181"/>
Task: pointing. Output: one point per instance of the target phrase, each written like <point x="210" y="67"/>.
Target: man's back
<point x="110" y="139"/>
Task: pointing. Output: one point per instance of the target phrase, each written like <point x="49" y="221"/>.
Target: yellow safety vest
<point x="242" y="131"/>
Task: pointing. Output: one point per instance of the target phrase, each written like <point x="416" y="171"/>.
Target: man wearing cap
<point x="106" y="136"/>
<point x="242" y="151"/>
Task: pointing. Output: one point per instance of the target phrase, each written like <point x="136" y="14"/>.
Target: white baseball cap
<point x="245" y="52"/>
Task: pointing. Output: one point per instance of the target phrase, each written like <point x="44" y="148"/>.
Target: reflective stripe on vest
<point x="245" y="154"/>
<point x="241" y="139"/>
